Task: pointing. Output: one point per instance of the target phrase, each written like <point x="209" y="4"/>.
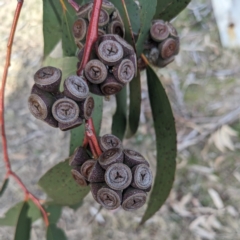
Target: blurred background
<point x="203" y="85"/>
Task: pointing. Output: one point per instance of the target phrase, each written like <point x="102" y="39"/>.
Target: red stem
<point x="92" y="34"/>
<point x="2" y="122"/>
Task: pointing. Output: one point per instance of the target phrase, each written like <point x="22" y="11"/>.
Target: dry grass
<point x="202" y="83"/>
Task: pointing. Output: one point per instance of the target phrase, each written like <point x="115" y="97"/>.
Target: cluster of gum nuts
<point x="119" y="177"/>
<point x="113" y="61"/>
<point x="162" y="45"/>
<point x="66" y="109"/>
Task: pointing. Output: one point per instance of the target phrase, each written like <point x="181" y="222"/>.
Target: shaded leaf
<point x="52" y="24"/>
<point x="60" y="186"/>
<point x="4" y="186"/>
<point x="119" y="122"/>
<point x="168" y="9"/>
<point x="146" y="15"/>
<point x="55" y="233"/>
<point x="135" y="106"/>
<point x="11" y="216"/>
<point x="23" y="227"/>
<point x="68" y="44"/>
<point x="54" y="212"/>
<point x="68" y="65"/>
<point x="165" y="144"/>
<point x="134" y="15"/>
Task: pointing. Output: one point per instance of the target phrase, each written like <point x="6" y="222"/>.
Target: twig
<point x="2" y="122"/>
<point x="229" y="118"/>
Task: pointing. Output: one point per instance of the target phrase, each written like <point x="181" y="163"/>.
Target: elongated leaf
<point x="11" y="216"/>
<point x="60" y="186"/>
<point x="165" y="144"/>
<point x="4" y="186"/>
<point x="54" y="212"/>
<point x="68" y="18"/>
<point x="54" y="233"/>
<point x="134" y="15"/>
<point x="23" y="224"/>
<point x="135" y="106"/>
<point x="68" y="65"/>
<point x="168" y="9"/>
<point x="146" y="15"/>
<point x="52" y="24"/>
<point x="119" y="122"/>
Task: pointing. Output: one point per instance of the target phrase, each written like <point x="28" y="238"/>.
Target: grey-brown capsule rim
<point x="43" y="82"/>
<point x="98" y="64"/>
<point x="104" y="146"/>
<point x="71" y="92"/>
<point x="69" y="101"/>
<point x="42" y="104"/>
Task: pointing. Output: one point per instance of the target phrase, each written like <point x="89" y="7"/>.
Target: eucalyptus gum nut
<point x="79" y="29"/>
<point x="124" y="71"/>
<point x="109" y="52"/>
<point x="96" y="173"/>
<point x="79" y="44"/>
<point x="87" y="167"/>
<point x="132" y="158"/>
<point x="101" y="32"/>
<point x="164" y="62"/>
<point x="133" y="58"/>
<point x="118" y="176"/>
<point x="79" y="178"/>
<point x="71" y="125"/>
<point x="142" y="177"/>
<point x="48" y="78"/>
<point x="94" y="187"/>
<point x="127" y="48"/>
<point x="103" y="17"/>
<point x="109" y="198"/>
<point x="153" y="56"/>
<point x="86" y="108"/>
<point x="133" y="199"/>
<point x="40" y="105"/>
<point x="65" y="110"/>
<point x="159" y="31"/>
<point x="84" y="10"/>
<point x="79" y="157"/>
<point x="116" y="27"/>
<point x="111" y="86"/>
<point x="95" y="89"/>
<point x="109" y="141"/>
<point x="95" y="71"/>
<point x="76" y="88"/>
<point x="108" y="6"/>
<point x="111" y="156"/>
<point x="168" y="48"/>
<point x="172" y="30"/>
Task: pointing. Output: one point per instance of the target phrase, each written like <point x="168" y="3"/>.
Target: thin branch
<point x="2" y="122"/>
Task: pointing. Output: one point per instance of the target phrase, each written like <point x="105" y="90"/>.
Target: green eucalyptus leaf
<point x="168" y="9"/>
<point x="55" y="233"/>
<point x="135" y="106"/>
<point x="146" y="15"/>
<point x="11" y="216"/>
<point x="23" y="227"/>
<point x="77" y="134"/>
<point x="134" y="16"/>
<point x="60" y="186"/>
<point x="165" y="144"/>
<point x="52" y="24"/>
<point x="54" y="212"/>
<point x="119" y="122"/>
<point x="4" y="186"/>
<point x="68" y="65"/>
<point x="68" y="18"/>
